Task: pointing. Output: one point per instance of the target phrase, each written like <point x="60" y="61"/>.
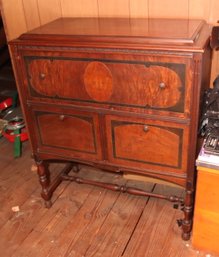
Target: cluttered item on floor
<point x="12" y="126"/>
<point x="3" y="123"/>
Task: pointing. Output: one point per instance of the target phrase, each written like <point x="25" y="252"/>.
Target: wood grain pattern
<point x="139" y="8"/>
<point x="74" y="132"/>
<point x="49" y="10"/>
<point x="139" y="142"/>
<point x="82" y="8"/>
<point x="31" y="14"/>
<point x="78" y="236"/>
<point x="114" y="8"/>
<point x="46" y="236"/>
<point x="13" y="17"/>
<point x="98" y="81"/>
<point x="150" y="243"/>
<point x="168" y="8"/>
<point x="160" y="86"/>
<point x="110" y="240"/>
<point x="134" y="142"/>
<point x="200" y="9"/>
<point x="213" y="11"/>
<point x="79" y="138"/>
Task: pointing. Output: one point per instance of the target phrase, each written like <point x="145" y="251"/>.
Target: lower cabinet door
<point x="157" y="146"/>
<point x="67" y="132"/>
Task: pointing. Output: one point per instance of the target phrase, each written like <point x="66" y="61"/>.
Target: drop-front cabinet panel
<point x="118" y="94"/>
<point x="147" y="144"/>
<point x="146" y="82"/>
<point x="67" y="132"/>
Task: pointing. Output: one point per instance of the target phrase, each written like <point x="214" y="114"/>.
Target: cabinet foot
<point x="76" y="168"/>
<point x="188" y="215"/>
<point x="186" y="236"/>
<point x="49" y="186"/>
<point x="44" y="178"/>
<point x="48" y="204"/>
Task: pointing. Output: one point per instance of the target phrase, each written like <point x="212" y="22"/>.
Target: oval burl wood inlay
<point x="98" y="81"/>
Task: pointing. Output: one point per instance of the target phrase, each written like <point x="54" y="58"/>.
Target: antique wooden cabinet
<point x="118" y="94"/>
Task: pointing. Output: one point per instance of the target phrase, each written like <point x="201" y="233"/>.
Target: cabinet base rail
<point x="122" y="188"/>
<point x="48" y="187"/>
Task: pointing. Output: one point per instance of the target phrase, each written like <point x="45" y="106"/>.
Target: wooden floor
<point x="84" y="220"/>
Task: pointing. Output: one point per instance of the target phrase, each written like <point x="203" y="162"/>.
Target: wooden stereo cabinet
<point x="117" y="94"/>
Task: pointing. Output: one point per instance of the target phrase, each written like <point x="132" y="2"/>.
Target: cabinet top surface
<point x="172" y="32"/>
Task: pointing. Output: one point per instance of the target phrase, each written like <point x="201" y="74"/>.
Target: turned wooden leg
<point x="188" y="214"/>
<point x="76" y="168"/>
<point x="44" y="178"/>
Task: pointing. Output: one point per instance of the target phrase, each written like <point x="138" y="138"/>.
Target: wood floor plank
<point x="88" y="219"/>
<point x="51" y="220"/>
<point x="17" y="178"/>
<point x="157" y="233"/>
<point x="113" y="236"/>
<point x="23" y="222"/>
<point x="79" y="232"/>
<point x="20" y="224"/>
<point x="43" y="234"/>
<point x="84" y="220"/>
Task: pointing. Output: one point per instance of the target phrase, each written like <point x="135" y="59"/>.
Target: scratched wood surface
<point x="84" y="220"/>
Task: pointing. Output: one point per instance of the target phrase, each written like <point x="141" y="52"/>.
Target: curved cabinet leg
<point x="188" y="215"/>
<point x="44" y="178"/>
